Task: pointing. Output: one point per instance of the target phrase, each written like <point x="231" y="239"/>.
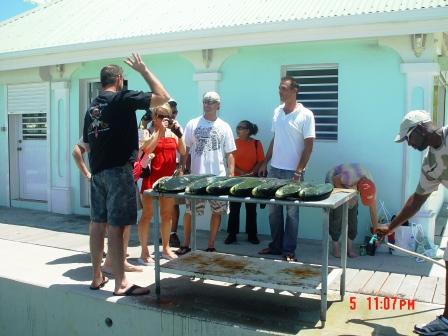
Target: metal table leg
<point x="324" y="269"/>
<point x="193" y="224"/>
<point x="344" y="233"/>
<point x="156" y="236"/>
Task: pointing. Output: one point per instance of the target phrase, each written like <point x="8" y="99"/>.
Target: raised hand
<point x="136" y="63"/>
<point x="176" y="129"/>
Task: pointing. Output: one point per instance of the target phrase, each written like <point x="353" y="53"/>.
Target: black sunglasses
<point x="162" y="116"/>
<point x="242" y="127"/>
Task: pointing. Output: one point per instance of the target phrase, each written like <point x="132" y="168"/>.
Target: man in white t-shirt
<point x="289" y="151"/>
<point x="210" y="143"/>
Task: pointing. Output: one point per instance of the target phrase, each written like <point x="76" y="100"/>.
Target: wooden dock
<point x="412" y="287"/>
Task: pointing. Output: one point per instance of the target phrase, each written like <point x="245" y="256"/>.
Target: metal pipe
<point x="414" y="254"/>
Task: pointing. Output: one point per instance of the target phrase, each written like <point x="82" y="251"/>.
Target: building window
<point x="319" y="92"/>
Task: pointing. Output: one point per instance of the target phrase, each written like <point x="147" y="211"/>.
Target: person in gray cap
<point x="420" y="133"/>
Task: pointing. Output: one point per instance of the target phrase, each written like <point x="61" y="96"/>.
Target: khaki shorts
<point x="216" y="207"/>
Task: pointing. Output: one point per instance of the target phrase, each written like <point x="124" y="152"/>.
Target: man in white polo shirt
<point x="289" y="151"/>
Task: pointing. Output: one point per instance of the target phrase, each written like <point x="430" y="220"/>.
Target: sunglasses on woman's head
<point x="242" y="127"/>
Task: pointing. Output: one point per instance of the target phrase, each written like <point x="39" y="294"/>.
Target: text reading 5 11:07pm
<point x="382" y="303"/>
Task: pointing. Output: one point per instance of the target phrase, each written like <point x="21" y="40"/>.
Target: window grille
<point x="34" y="126"/>
<point x="319" y="92"/>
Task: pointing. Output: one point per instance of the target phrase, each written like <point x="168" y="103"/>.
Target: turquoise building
<point x="361" y="64"/>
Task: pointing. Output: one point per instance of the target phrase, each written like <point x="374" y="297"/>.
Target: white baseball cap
<point x="410" y="121"/>
<point x="212" y="97"/>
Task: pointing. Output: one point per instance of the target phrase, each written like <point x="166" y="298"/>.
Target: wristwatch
<point x="298" y="173"/>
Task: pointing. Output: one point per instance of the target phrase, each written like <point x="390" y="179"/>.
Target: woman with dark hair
<point x="248" y="157"/>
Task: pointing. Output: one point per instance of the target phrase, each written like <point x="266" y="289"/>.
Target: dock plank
<point x="426" y="289"/>
<point x="391" y="285"/>
<point x="375" y="283"/>
<point x="439" y="294"/>
<point x="408" y="287"/>
<point x="358" y="282"/>
<point x="350" y="273"/>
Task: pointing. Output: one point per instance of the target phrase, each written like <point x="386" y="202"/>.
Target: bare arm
<point x="262" y="170"/>
<point x="159" y="94"/>
<point x="373" y="216"/>
<point x="149" y="145"/>
<point x="231" y="163"/>
<point x="306" y="154"/>
<point x="77" y="153"/>
<point x="181" y="148"/>
<point x="185" y="160"/>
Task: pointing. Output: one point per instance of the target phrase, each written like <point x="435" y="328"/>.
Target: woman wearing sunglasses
<point x="164" y="142"/>
<point x="248" y="157"/>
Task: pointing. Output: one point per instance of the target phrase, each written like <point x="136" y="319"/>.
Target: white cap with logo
<point x="410" y="121"/>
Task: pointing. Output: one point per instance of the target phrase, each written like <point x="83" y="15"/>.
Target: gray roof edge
<point x="428" y="22"/>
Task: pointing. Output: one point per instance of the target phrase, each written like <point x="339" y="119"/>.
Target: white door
<point x="93" y="90"/>
<point x="32" y="156"/>
<point x="27" y="108"/>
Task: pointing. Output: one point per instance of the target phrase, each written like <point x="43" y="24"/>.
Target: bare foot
<point x="145" y="261"/>
<point x="352" y="254"/>
<point x="168" y="254"/>
<point x="99" y="283"/>
<point x="131" y="290"/>
<point x="128" y="267"/>
<point x="336" y="252"/>
<point x="107" y="269"/>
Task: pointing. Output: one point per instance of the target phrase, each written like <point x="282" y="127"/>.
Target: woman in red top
<point x="164" y="142"/>
<point x="248" y="157"/>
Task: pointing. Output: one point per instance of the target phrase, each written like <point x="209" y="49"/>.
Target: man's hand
<point x="382" y="231"/>
<point x="136" y="63"/>
<point x="263" y="171"/>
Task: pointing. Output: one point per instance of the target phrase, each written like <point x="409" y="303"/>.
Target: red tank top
<point x="163" y="163"/>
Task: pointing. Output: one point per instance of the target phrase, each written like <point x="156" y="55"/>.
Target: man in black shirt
<point x="110" y="129"/>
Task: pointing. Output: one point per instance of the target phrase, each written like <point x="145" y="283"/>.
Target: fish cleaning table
<point x="266" y="273"/>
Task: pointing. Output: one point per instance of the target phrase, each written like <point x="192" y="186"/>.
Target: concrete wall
<point x="32" y="310"/>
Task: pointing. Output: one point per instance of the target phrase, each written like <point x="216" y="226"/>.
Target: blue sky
<point x="10" y="8"/>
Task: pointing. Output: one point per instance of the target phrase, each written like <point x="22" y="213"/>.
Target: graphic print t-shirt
<point x="110" y="128"/>
<point x="209" y="142"/>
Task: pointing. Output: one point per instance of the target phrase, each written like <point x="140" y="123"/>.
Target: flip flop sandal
<point x="131" y="291"/>
<point x="182" y="250"/>
<point x="101" y="285"/>
<point x="210" y="249"/>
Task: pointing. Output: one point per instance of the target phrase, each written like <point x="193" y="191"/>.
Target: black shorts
<point x="113" y="197"/>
